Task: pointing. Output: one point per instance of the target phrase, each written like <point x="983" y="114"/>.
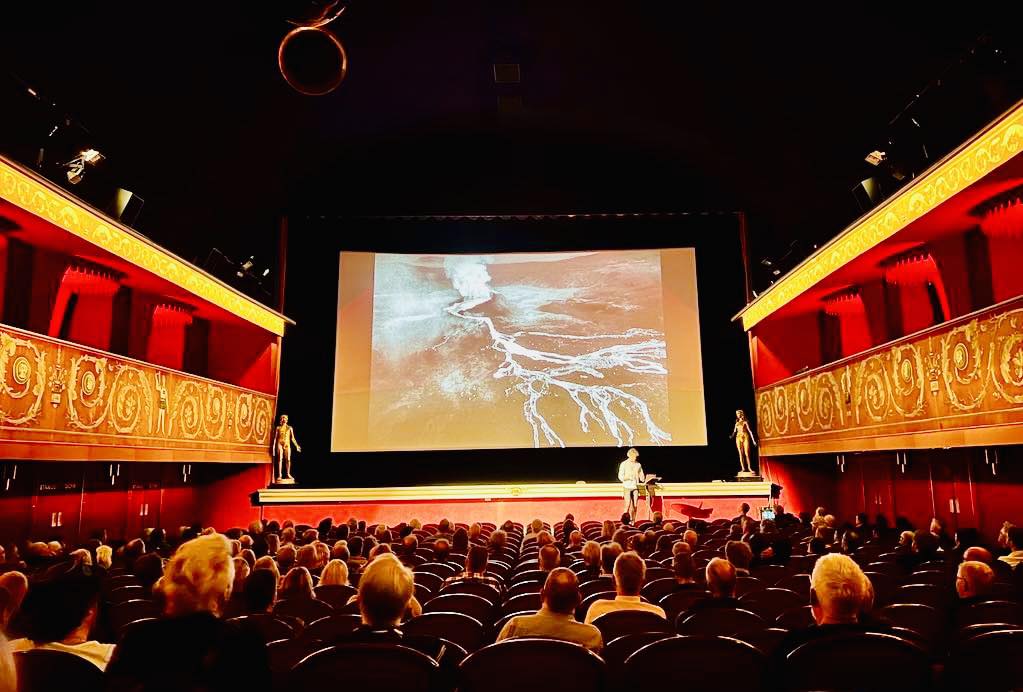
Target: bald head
<point x="690" y="537"/>
<point x="978" y="554"/>
<point x="560" y="592"/>
<point x="721" y="578"/>
<point x="974" y="579"/>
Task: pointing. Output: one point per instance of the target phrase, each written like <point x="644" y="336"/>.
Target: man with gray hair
<point x="556" y="617"/>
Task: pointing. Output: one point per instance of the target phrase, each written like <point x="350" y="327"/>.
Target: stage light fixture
<point x="876" y="158"/>
<point x="76" y="166"/>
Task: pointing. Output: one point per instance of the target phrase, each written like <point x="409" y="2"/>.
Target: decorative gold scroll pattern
<point x="25" y="191"/>
<point x="961" y="375"/>
<point x="63" y="391"/>
<point x="989" y="150"/>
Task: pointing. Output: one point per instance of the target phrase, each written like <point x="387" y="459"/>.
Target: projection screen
<point x="517" y="350"/>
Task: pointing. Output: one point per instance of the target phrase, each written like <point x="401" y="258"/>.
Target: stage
<point x="498" y="502"/>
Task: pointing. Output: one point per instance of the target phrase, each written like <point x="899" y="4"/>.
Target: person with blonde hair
<point x="8" y="673"/>
<point x="973" y="582"/>
<point x="386" y="591"/>
<point x="268" y="563"/>
<point x="15" y="584"/>
<point x="207" y="652"/>
<point x="335" y="574"/>
<point x="104" y="556"/>
<point x="297" y="584"/>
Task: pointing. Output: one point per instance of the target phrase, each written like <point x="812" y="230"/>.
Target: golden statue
<point x="743" y="437"/>
<point x="284" y="437"/>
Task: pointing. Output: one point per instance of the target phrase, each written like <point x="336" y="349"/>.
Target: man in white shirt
<point x="1014" y="540"/>
<point x="630" y="474"/>
<point x="629" y="571"/>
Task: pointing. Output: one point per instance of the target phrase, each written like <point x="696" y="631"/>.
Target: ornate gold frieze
<point x="928" y="390"/>
<point x="101" y="399"/>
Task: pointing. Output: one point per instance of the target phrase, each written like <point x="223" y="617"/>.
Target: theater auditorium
<point x="477" y="346"/>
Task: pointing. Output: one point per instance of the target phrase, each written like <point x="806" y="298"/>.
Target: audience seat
<point x="123" y="614"/>
<point x="884" y="587"/>
<point x="335" y="595"/>
<point x="770" y="603"/>
<point x="653" y="573"/>
<point x="476" y="588"/>
<point x="503" y="620"/>
<point x="517" y="604"/>
<point x="270" y="627"/>
<point x="681" y="601"/>
<point x="331" y="628"/>
<point x="924" y="594"/>
<point x="466" y="631"/>
<point x="858" y="661"/>
<point x="655" y="590"/>
<point x="41" y="670"/>
<point x="991" y="657"/>
<point x="622" y="622"/>
<point x="923" y="619"/>
<point x="532" y="575"/>
<point x="441" y="569"/>
<point x="724" y="622"/>
<point x="366" y="666"/>
<point x="800" y="583"/>
<point x="473" y="606"/>
<point x="429" y="580"/>
<point x="990" y="611"/>
<point x="770" y="574"/>
<point x="796" y="618"/>
<point x="602" y="583"/>
<point x="745" y="585"/>
<point x="422" y="594"/>
<point x="538" y="665"/>
<point x="524" y="587"/>
<point x="617" y="650"/>
<point x="766" y="640"/>
<point x="721" y="664"/>
<point x="132" y="592"/>
<point x="305" y="609"/>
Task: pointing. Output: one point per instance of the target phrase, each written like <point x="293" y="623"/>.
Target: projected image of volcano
<point x="541" y="350"/>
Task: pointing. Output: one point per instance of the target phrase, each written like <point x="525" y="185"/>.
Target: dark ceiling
<point x="625" y="107"/>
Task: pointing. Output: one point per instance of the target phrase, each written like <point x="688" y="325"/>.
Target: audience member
<point x="556" y="618"/>
<point x="937" y="529"/>
<point x="268" y="564"/>
<point x="1014" y="542"/>
<point x="260" y="592"/>
<point x="973" y="582"/>
<point x="740" y="555"/>
<point x="609" y="553"/>
<point x="743" y="513"/>
<point x="476" y="571"/>
<point x="15" y="584"/>
<point x="59" y="614"/>
<point x="460" y="541"/>
<point x="684" y="569"/>
<point x="104" y="556"/>
<point x="591" y="560"/>
<point x="297" y="584"/>
<point x="691" y="537"/>
<point x="978" y="554"/>
<point x="721" y="585"/>
<point x="8" y="673"/>
<point x="441" y="550"/>
<point x="548" y="558"/>
<point x="208" y="653"/>
<point x="335" y="574"/>
<point x="629" y="573"/>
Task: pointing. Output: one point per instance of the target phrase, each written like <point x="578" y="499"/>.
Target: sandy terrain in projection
<point x="531" y="350"/>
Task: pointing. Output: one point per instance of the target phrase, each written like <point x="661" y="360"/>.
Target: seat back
<point x="991" y="655"/>
<point x="681" y="601"/>
<point x="522" y="602"/>
<point x="925" y="620"/>
<point x="335" y="595"/>
<point x="476" y="588"/>
<point x="123" y="614"/>
<point x="619" y="623"/>
<point x="41" y="670"/>
<point x="795" y="618"/>
<point x="366" y="666"/>
<point x="724" y="622"/>
<point x="462" y="629"/>
<point x="858" y="661"/>
<point x="514" y="665"/>
<point x="270" y="627"/>
<point x="991" y="611"/>
<point x="745" y="585"/>
<point x="473" y="606"/>
<point x="331" y="628"/>
<point x="584" y="606"/>
<point x="698" y="663"/>
<point x="655" y="590"/>
<point x="770" y="603"/>
<point x="307" y="610"/>
<point x="130" y="592"/>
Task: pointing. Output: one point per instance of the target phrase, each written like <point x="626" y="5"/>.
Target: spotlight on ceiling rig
<point x="76" y="166"/>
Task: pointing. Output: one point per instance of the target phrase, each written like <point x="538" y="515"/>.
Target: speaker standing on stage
<point x="630" y="473"/>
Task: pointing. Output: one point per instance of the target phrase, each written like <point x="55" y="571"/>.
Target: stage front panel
<point x="59" y="401"/>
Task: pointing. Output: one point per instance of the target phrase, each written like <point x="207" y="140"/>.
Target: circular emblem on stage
<point x="88" y="383"/>
<point x="22" y="369"/>
<point x="961" y="356"/>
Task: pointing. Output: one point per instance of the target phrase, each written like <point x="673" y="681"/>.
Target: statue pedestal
<point x="748" y="476"/>
<point x="283" y="481"/>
